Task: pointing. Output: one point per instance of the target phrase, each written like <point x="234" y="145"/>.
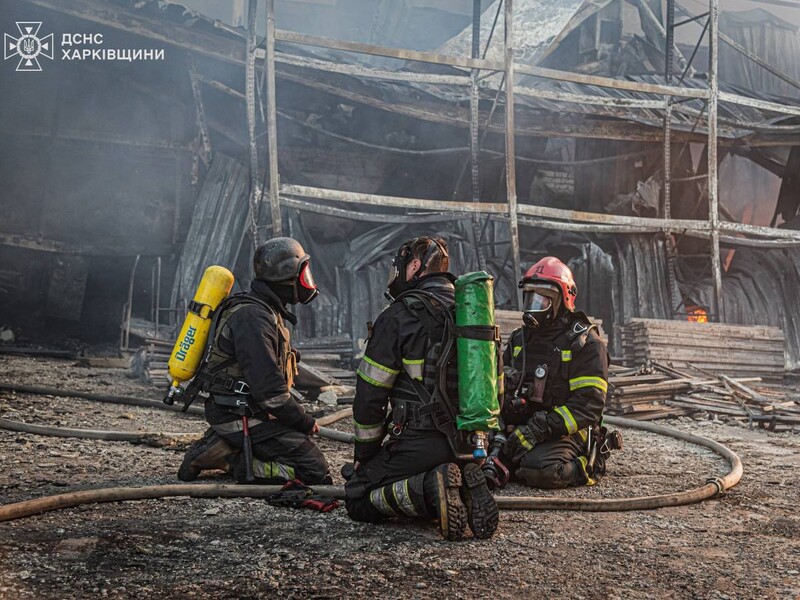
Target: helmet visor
<point x="535" y="302"/>
<point x="538" y="297"/>
<point x="306" y="278"/>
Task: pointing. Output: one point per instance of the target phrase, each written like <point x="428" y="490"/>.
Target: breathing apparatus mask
<point x="541" y="303"/>
<point x="283" y="264"/>
<point x="300" y="290"/>
<point x="397" y="283"/>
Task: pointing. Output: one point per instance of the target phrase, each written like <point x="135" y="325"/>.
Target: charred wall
<point x="95" y="165"/>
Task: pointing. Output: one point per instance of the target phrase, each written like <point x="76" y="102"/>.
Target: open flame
<point x="697" y="315"/>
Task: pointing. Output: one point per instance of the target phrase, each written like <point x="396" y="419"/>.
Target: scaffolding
<point x="669" y="97"/>
<point x="664" y="98"/>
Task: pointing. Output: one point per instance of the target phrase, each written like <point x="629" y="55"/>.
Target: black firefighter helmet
<point x="282" y="261"/>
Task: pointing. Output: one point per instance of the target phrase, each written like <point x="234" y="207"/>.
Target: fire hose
<point x="156" y="438"/>
<point x="713" y="488"/>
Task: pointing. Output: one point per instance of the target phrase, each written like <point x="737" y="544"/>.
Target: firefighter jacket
<point x="575" y="360"/>
<point x="252" y="345"/>
<point x="395" y="355"/>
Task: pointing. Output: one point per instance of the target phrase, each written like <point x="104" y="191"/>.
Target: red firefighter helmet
<point x="553" y="270"/>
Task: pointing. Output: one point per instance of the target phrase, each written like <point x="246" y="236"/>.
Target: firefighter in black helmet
<point x="414" y="473"/>
<point x="249" y="371"/>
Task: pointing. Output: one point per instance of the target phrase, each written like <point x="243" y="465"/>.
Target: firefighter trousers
<point x="280" y="453"/>
<point x="392" y="482"/>
<point x="554" y="464"/>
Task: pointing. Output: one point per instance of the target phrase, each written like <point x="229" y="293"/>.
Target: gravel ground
<point x="745" y="545"/>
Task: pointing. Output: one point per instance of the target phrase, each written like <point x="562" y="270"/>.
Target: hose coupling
<point x="717" y="481"/>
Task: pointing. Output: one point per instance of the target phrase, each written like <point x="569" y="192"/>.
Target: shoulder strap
<point x="231" y="303"/>
<point x="429" y="310"/>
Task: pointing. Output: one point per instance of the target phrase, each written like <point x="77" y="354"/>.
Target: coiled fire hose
<point x="714" y="487"/>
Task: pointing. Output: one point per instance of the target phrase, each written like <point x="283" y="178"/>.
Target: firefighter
<point x="556" y="370"/>
<point x="249" y="372"/>
<point x="414" y="473"/>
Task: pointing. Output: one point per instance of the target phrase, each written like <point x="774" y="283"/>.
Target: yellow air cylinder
<point x="187" y="353"/>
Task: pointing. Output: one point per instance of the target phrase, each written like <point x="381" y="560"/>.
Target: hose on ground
<point x="152" y="437"/>
<point x="714" y="487"/>
<point x="110" y="399"/>
<point x="28" y="508"/>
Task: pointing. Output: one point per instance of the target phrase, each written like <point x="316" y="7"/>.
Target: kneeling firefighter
<point x="258" y="431"/>
<point x="556" y="370"/>
<point x="427" y="468"/>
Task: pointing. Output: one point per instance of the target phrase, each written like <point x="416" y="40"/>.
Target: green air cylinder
<point x="477" y="358"/>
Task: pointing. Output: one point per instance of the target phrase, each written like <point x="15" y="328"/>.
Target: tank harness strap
<point x="484" y="333"/>
<point x="214" y="378"/>
<point x="197" y="307"/>
<point x="423" y="305"/>
<point x="572" y="341"/>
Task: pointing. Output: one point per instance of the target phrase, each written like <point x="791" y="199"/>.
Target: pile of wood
<point x="150" y="362"/>
<point x="660" y="391"/>
<point x="641" y="393"/>
<point x="721" y="349"/>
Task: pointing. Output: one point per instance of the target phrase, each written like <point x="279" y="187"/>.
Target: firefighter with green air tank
<point x="432" y="357"/>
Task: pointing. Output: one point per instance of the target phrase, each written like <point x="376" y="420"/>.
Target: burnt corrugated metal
<point x="758" y="289"/>
<point x="218" y="225"/>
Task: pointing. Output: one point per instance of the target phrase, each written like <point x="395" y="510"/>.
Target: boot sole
<point x="188" y="473"/>
<point x="483" y="515"/>
<point x="452" y="512"/>
<point x="205" y="454"/>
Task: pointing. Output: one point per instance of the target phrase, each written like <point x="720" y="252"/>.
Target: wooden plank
<point x="711" y="335"/>
<point x="722" y="328"/>
<point x="618" y="84"/>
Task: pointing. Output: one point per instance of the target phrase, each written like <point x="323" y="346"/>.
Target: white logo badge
<point x="28" y="46"/>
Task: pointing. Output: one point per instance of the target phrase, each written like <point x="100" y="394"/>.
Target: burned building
<point x="156" y="169"/>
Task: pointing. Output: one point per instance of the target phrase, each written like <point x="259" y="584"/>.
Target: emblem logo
<point x="28" y="46"/>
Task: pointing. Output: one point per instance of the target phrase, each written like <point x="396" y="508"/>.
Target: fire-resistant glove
<point x="320" y="503"/>
<point x="526" y="436"/>
<point x="521" y="440"/>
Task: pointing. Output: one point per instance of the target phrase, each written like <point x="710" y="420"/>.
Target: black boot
<point x="443" y="498"/>
<point x="209" y="452"/>
<point x="482" y="513"/>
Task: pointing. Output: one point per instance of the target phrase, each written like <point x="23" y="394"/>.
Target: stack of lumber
<point x="720" y="348"/>
<point x="768" y="407"/>
<point x="660" y="391"/>
<point x="640" y="393"/>
<point x="151" y="360"/>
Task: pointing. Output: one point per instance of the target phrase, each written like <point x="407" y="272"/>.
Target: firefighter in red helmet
<point x="556" y="370"/>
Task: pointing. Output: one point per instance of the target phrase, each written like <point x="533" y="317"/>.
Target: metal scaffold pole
<point x="272" y="124"/>
<point x="474" y="141"/>
<point x="667" y="178"/>
<point x="250" y="98"/>
<point x="511" y="171"/>
<point x="713" y="198"/>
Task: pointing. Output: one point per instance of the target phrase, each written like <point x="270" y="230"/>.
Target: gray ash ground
<point x="745" y="545"/>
